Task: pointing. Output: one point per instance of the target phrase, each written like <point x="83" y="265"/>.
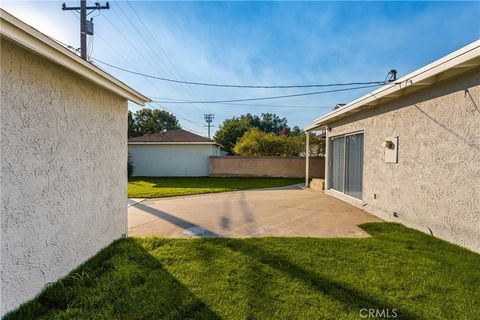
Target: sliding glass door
<point x="337" y="164"/>
<point x="346" y="164"/>
<point x="354" y="165"/>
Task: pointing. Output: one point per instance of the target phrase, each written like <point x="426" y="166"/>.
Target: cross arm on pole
<point x="97" y="6"/>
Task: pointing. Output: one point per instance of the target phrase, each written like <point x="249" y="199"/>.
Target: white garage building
<point x="174" y="153"/>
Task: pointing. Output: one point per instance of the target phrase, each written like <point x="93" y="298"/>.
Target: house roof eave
<point x="462" y="60"/>
<point x="19" y="32"/>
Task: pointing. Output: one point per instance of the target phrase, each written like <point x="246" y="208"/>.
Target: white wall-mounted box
<point x="391" y="149"/>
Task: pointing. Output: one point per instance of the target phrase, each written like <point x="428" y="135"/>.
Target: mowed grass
<point x="157" y="187"/>
<point x="406" y="272"/>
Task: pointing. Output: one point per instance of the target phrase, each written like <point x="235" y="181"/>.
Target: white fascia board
<point x="313" y="127"/>
<point x="466" y="57"/>
<point x="33" y="40"/>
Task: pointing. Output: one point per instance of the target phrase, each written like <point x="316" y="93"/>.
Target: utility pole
<point x="86" y="27"/>
<point x="209" y="118"/>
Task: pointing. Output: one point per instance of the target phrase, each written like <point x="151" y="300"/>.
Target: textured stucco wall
<point x="63" y="172"/>
<point x="166" y="160"/>
<point x="435" y="186"/>
<point x="287" y="167"/>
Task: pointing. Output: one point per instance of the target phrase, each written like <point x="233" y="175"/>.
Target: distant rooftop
<point x="171" y="137"/>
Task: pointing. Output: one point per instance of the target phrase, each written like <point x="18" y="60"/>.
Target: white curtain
<point x="338" y="163"/>
<point x="354" y="165"/>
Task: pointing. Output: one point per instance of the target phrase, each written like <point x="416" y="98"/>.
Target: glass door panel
<point x="354" y="165"/>
<point x="338" y="163"/>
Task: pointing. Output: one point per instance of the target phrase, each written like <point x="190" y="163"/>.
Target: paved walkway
<point x="292" y="212"/>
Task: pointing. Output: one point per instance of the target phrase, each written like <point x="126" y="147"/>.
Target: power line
<point x="273" y="97"/>
<point x="130" y="43"/>
<point x="247" y="104"/>
<point x="190" y="92"/>
<point x="240" y="86"/>
<point x="128" y="62"/>
<point x="155" y="58"/>
<point x="226" y="102"/>
<point x="123" y="58"/>
<point x="178" y="115"/>
<point x="271" y="106"/>
<point x="153" y="67"/>
<point x="162" y="107"/>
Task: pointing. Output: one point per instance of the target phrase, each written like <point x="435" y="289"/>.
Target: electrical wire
<point x="178" y="115"/>
<point x="128" y="62"/>
<point x="247" y="104"/>
<point x="272" y="97"/>
<point x="190" y="91"/>
<point x="272" y="106"/>
<point x="91" y="41"/>
<point x="370" y="84"/>
<point x="239" y="86"/>
<point x="146" y="60"/>
<point x="147" y="49"/>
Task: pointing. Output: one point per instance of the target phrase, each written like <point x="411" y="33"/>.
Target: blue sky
<point x="274" y="43"/>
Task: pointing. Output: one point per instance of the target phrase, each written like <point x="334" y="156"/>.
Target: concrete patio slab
<point x="291" y="212"/>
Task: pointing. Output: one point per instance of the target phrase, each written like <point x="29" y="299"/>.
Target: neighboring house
<point x="410" y="151"/>
<point x="175" y="153"/>
<point x="63" y="160"/>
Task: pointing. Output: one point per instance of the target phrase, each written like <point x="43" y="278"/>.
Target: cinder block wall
<point x="287" y="167"/>
<point x="63" y="172"/>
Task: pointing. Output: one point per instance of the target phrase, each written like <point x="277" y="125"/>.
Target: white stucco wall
<point x="435" y="186"/>
<point x="167" y="160"/>
<point x="63" y="172"/>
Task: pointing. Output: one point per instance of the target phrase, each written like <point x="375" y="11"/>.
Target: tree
<point x="317" y="146"/>
<point x="255" y="143"/>
<point x="148" y="121"/>
<point x="296" y="131"/>
<point x="295" y="145"/>
<point x="234" y="128"/>
<point x="132" y="127"/>
<point x="270" y="123"/>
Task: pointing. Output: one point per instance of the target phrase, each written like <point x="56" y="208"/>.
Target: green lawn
<point x="157" y="187"/>
<point x="419" y="276"/>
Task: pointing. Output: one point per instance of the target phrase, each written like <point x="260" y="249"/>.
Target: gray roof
<point x="175" y="135"/>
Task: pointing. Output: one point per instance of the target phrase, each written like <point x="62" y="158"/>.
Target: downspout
<point x="307" y="158"/>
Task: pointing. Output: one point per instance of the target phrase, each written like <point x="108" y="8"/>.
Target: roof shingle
<point x="175" y="135"/>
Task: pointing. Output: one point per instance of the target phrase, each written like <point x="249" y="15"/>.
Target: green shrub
<point x="255" y="143"/>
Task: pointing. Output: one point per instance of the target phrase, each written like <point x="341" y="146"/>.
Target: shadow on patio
<point x="284" y="212"/>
